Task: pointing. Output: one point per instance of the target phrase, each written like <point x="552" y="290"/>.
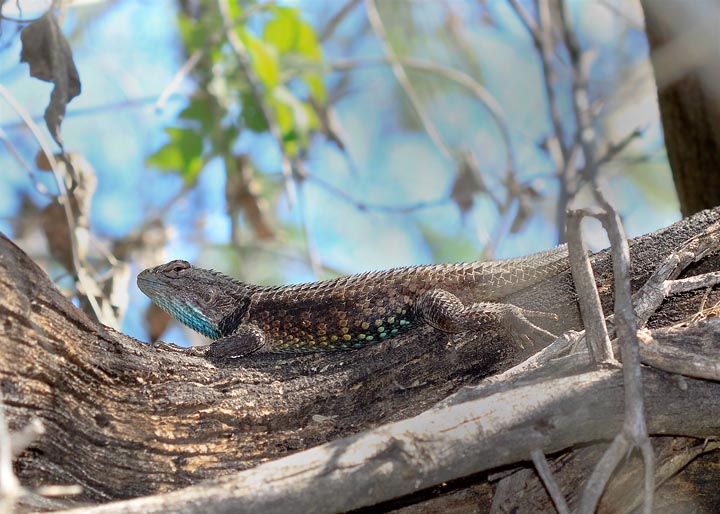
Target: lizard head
<point x="204" y="300"/>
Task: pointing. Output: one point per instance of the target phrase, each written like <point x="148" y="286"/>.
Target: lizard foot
<point x="445" y="311"/>
<point x="516" y="320"/>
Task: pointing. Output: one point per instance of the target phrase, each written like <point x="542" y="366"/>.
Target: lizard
<point x="352" y="311"/>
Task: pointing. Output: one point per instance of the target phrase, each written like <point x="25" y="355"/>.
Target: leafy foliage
<point x="284" y="56"/>
<point x="182" y="153"/>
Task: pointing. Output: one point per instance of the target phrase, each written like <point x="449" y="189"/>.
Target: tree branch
<point x="105" y="398"/>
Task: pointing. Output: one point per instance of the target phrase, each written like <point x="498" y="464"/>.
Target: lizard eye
<point x="175" y="267"/>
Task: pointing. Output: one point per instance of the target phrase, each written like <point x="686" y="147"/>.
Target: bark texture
<point x="127" y="419"/>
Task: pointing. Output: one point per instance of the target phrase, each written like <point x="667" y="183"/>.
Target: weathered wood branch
<point x="447" y="443"/>
<point x="126" y="419"/>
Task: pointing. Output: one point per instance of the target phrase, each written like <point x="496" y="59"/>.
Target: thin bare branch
<point x="634" y="432"/>
<point x="367" y="206"/>
<point x="581" y="62"/>
<point x="10" y="489"/>
<point x="39" y="187"/>
<point x="692" y="283"/>
<point x="180" y="75"/>
<point x="402" y="78"/>
<point x="527" y="20"/>
<point x="595" y="486"/>
<point x="546" y="48"/>
<point x="596" y="331"/>
<point x="87" y="285"/>
<point x="457" y="76"/>
<point x="554" y="351"/>
<point x="615" y="149"/>
<point x="23" y="438"/>
<point x="313" y="257"/>
<point x="663" y="281"/>
<point x="563" y="155"/>
<point x="553" y="489"/>
<point x="130" y="103"/>
<point x="329" y="29"/>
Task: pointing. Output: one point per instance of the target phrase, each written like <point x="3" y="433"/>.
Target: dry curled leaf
<point x="525" y="194"/>
<point x="115" y="299"/>
<point x="157" y="321"/>
<point x="48" y="53"/>
<point x="329" y="123"/>
<point x="57" y="233"/>
<point x="468" y="182"/>
<point x="242" y="193"/>
<point x="42" y="162"/>
<point x="26" y="219"/>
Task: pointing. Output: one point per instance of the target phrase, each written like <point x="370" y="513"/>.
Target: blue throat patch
<point x="191" y="317"/>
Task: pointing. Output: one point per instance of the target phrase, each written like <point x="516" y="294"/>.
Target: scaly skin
<point x="348" y="312"/>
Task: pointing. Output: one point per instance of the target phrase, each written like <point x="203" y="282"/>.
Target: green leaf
<point x="234" y="10"/>
<point x="264" y="59"/>
<point x="282" y="31"/>
<point x="288" y="32"/>
<point x="307" y="43"/>
<point x="200" y="109"/>
<point x="316" y="85"/>
<point x="290" y="111"/>
<point x="182" y="154"/>
<point x="192" y="33"/>
<point x="296" y="119"/>
<point x="313" y="122"/>
<point x="252" y="114"/>
<point x="283" y="114"/>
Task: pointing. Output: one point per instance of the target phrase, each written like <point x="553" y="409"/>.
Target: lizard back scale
<point x="351" y="311"/>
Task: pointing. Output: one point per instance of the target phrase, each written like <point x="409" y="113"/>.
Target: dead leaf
<point x="115" y="297"/>
<point x="157" y="321"/>
<point x="526" y="196"/>
<point x="242" y="193"/>
<point x="54" y="224"/>
<point x="42" y="162"/>
<point x="26" y="219"/>
<point x="329" y="123"/>
<point x="523" y="215"/>
<point x="468" y="182"/>
<point x="48" y="53"/>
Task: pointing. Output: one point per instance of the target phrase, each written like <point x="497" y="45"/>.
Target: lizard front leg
<point x="445" y="311"/>
<point x="246" y="339"/>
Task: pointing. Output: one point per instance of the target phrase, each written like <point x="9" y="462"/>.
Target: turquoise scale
<point x="378" y="330"/>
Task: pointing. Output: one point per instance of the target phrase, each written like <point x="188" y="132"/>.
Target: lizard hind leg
<point x="441" y="310"/>
<point x="444" y="311"/>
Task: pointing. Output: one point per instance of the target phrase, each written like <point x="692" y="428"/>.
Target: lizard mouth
<point x="147" y="285"/>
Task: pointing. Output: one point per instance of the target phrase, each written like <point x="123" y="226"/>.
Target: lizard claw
<point x="515" y="320"/>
